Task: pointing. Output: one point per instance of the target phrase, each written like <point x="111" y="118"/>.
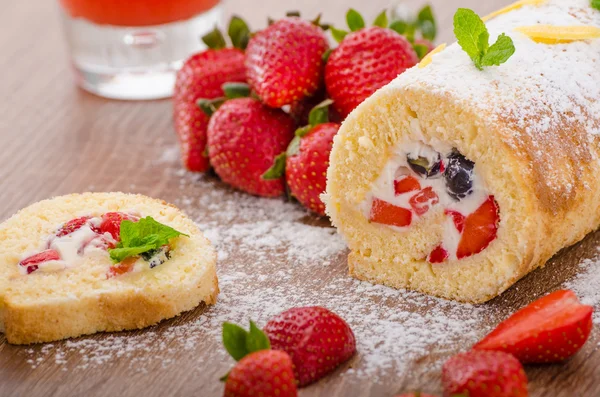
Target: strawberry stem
<point x="293" y="14"/>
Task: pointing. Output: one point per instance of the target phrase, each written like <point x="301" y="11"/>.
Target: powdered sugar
<point x="272" y="257"/>
<point x="586" y="284"/>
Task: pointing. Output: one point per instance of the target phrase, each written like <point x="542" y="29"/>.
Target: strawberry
<point x="438" y="255"/>
<point x="266" y="373"/>
<point x="458" y="219"/>
<point x="125" y="266"/>
<point x="317" y="340"/>
<point x="32" y="262"/>
<point x="284" y="62"/>
<point x="484" y="374"/>
<point x="244" y="138"/>
<point x="366" y="60"/>
<point x="406" y="184"/>
<point x="422" y="201"/>
<point x="111" y="223"/>
<point x="389" y="214"/>
<point x="72" y="225"/>
<point x="551" y="329"/>
<point x="201" y="77"/>
<point x="480" y="229"/>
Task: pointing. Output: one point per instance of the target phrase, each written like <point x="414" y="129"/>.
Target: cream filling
<point x="397" y="167"/>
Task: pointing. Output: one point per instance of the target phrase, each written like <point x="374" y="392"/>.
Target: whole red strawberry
<point x="244" y="137"/>
<point x="365" y="61"/>
<point x="484" y="374"/>
<point x="201" y="77"/>
<point x="551" y="329"/>
<point x="317" y="340"/>
<point x="306" y="170"/>
<point x="284" y="62"/>
<point x="266" y="373"/>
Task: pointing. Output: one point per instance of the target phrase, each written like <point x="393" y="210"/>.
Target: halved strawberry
<point x="480" y="229"/>
<point x="111" y="223"/>
<point x="389" y="214"/>
<point x="551" y="329"/>
<point x="71" y="226"/>
<point x="406" y="184"/>
<point x="32" y="262"/>
<point x="438" y="255"/>
<point x="123" y="267"/>
<point x="424" y="200"/>
<point x="458" y="219"/>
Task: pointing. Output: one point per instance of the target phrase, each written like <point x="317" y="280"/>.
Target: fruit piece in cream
<point x="419" y="179"/>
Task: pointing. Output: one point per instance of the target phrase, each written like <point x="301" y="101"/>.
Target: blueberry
<point x="424" y="167"/>
<point x="458" y="176"/>
<point x="157" y="256"/>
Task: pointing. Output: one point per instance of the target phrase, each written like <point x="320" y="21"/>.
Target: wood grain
<point x="57" y="139"/>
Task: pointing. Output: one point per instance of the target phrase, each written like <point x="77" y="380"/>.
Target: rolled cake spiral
<point x="58" y="281"/>
<point x="458" y="182"/>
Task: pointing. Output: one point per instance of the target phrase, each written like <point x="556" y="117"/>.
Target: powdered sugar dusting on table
<point x="394" y="329"/>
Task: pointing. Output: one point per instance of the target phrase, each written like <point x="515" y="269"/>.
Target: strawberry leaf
<point x="294" y="146"/>
<point x="209" y="106"/>
<point x="236" y="90"/>
<point x="320" y="113"/>
<point x="399" y="26"/>
<point x="239" y="32"/>
<point x="338" y="35"/>
<point x="214" y="39"/>
<point x="256" y="339"/>
<point x="277" y="170"/>
<point x="421" y="50"/>
<point x="326" y="55"/>
<point x="381" y="20"/>
<point x="426" y="22"/>
<point x="355" y="20"/>
<point x="596" y="4"/>
<point x="234" y="340"/>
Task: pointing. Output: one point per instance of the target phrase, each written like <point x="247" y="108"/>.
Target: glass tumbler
<point x="132" y="49"/>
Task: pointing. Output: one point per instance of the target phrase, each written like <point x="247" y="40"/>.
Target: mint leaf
<point x="499" y="52"/>
<point x="596" y="4"/>
<point x="256" y="339"/>
<point x="138" y="237"/>
<point x="355" y="20"/>
<point x="473" y="37"/>
<point x="234" y="340"/>
<point x="468" y="29"/>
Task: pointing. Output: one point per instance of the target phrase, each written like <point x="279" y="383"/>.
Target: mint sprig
<point x="596" y="4"/>
<point x="143" y="236"/>
<point x="473" y="37"/>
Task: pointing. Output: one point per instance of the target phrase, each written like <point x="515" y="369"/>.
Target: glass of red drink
<point x="131" y="49"/>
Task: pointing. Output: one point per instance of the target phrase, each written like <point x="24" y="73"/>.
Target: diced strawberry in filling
<point x="424" y="200"/>
<point x="123" y="267"/>
<point x="438" y="255"/>
<point x="406" y="184"/>
<point x="480" y="229"/>
<point x="458" y="219"/>
<point x="32" y="262"/>
<point x="111" y="223"/>
<point x="71" y="226"/>
<point x="389" y="214"/>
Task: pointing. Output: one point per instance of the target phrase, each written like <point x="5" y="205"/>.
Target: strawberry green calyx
<point x="381" y="20"/>
<point x="355" y="20"/>
<point x="238" y="31"/>
<point x="209" y="106"/>
<point x="236" y="90"/>
<point x="318" y="115"/>
<point x="596" y="4"/>
<point x="239" y="343"/>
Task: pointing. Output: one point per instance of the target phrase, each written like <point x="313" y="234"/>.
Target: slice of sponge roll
<point x="457" y="182"/>
<point x="81" y="291"/>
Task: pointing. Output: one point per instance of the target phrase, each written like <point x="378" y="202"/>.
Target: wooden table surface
<point x="57" y="139"/>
